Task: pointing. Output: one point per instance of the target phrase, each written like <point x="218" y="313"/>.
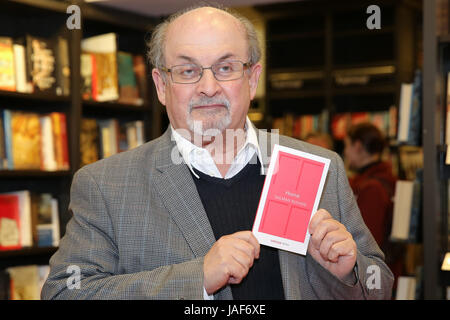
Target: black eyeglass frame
<point x="244" y="66"/>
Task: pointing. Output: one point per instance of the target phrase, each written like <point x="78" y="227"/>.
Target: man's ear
<point x="160" y="84"/>
<point x="254" y="78"/>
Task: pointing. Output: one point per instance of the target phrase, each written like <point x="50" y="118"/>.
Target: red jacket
<point x="374" y="188"/>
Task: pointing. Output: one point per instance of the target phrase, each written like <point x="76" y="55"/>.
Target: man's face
<point x="204" y="37"/>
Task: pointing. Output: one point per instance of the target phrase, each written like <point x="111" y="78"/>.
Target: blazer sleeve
<point x="89" y="246"/>
<point x="371" y="278"/>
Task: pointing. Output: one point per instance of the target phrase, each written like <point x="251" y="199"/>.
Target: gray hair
<point x="155" y="52"/>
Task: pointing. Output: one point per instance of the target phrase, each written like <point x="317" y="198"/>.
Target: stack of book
<point x="23" y="282"/>
<point x="111" y="75"/>
<point x="28" y="220"/>
<point x="35" y="65"/>
<point x="103" y="138"/>
<point x="33" y="141"/>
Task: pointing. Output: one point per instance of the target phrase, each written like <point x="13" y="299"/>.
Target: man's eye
<point x="225" y="68"/>
<point x="187" y="71"/>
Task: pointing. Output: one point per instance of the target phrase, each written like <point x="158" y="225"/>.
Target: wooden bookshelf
<point x="47" y="18"/>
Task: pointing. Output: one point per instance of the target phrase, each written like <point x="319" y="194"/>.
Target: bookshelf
<point x="47" y="19"/>
<point x="435" y="197"/>
<point x="321" y="58"/>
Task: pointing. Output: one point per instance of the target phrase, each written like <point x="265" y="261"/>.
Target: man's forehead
<point x="203" y="31"/>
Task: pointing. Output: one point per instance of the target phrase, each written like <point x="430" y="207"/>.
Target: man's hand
<point x="331" y="244"/>
<point x="229" y="259"/>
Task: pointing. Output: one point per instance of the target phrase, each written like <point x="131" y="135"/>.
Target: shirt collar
<point x="186" y="148"/>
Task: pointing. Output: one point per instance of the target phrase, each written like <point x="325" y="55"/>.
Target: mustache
<point x="208" y="101"/>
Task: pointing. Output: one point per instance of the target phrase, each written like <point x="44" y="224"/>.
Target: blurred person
<point x="374" y="186"/>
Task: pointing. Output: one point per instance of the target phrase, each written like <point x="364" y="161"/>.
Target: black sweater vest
<point x="231" y="206"/>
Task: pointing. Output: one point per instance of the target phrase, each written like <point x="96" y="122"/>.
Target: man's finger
<point x="321" y="231"/>
<point x="250" y="238"/>
<point x="317" y="218"/>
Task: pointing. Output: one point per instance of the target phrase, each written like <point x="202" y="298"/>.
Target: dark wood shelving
<point x="27" y="252"/>
<point x="116" y="106"/>
<point x="38" y="97"/>
<point x="33" y="174"/>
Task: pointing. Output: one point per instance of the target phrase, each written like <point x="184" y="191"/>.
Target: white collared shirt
<point x="200" y="158"/>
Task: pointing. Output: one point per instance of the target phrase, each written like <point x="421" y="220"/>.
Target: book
<point x="290" y="197"/>
<point x="25" y="140"/>
<point x="140" y="72"/>
<point x="25" y="218"/>
<point x="109" y="142"/>
<point x="128" y="90"/>
<point x="7" y="74"/>
<point x="104" y="67"/>
<point x="3" y="159"/>
<point x="406" y="288"/>
<point x="405" y="112"/>
<point x="47" y="226"/>
<point x="41" y="64"/>
<point x="63" y="67"/>
<point x="89" y="144"/>
<point x="22" y="85"/>
<point x="48" y="162"/>
<point x="415" y="120"/>
<point x="403" y="198"/>
<point x="27" y="281"/>
<point x="60" y="140"/>
<point x="86" y="65"/>
<point x="9" y="222"/>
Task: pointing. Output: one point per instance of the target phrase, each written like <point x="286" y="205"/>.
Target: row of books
<point x="23" y="282"/>
<point x="34" y="64"/>
<point x="300" y="126"/>
<point x="101" y="138"/>
<point x="111" y="75"/>
<point x="386" y="121"/>
<point x="28" y="219"/>
<point x="33" y="141"/>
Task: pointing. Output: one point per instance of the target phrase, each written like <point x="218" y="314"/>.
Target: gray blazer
<point x="139" y="231"/>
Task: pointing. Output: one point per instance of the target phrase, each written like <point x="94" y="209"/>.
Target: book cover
<point x="26" y="140"/>
<point x="9" y="222"/>
<point x="89" y="144"/>
<point x="141" y="77"/>
<point x="47" y="150"/>
<point x="128" y="90"/>
<point x="63" y="67"/>
<point x="404" y="112"/>
<point x="7" y="75"/>
<point x="41" y="64"/>
<point x="105" y="86"/>
<point x="290" y="197"/>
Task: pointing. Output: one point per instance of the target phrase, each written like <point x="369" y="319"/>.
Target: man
<point x="374" y="187"/>
<point x="172" y="219"/>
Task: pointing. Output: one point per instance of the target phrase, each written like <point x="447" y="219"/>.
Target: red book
<point x="9" y="222"/>
<point x="290" y="197"/>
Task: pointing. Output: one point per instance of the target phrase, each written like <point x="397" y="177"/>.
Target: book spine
<point x="8" y="138"/>
<point x="64" y="142"/>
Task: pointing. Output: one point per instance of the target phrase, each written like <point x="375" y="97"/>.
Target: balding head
<point x="201" y="17"/>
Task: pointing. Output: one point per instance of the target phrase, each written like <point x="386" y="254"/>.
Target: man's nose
<point x="208" y="84"/>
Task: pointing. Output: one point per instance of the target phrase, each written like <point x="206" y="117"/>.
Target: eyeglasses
<point x="222" y="71"/>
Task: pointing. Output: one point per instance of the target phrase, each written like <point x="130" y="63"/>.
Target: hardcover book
<point x="290" y="197"/>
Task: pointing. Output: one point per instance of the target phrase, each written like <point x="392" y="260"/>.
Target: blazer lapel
<point x="179" y="194"/>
